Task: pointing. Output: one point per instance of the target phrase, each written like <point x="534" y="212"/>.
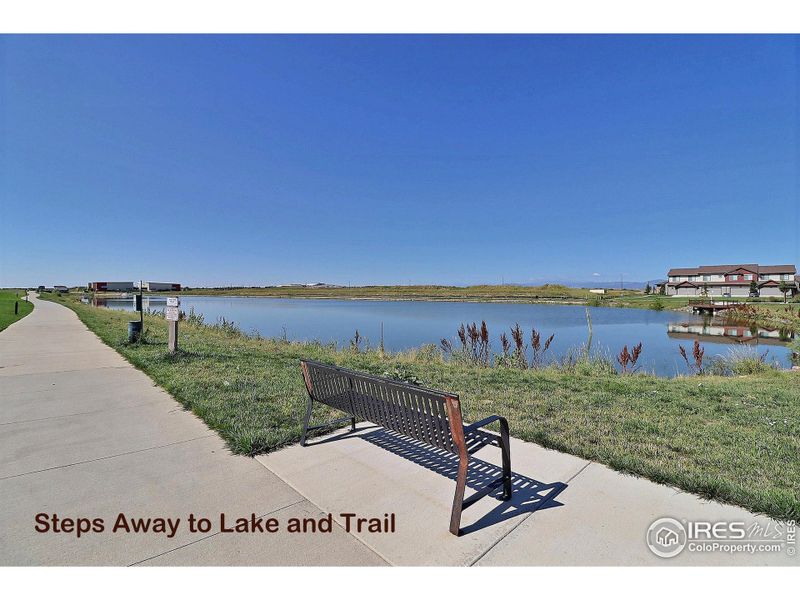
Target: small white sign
<point x="173" y="301"/>
<point x="172" y="313"/>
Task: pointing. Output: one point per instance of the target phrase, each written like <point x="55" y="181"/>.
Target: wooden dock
<point x="712" y="308"/>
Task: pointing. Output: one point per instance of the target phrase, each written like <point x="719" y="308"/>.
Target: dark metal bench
<point x="425" y="415"/>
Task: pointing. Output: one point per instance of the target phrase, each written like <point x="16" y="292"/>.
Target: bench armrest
<point x="485" y="422"/>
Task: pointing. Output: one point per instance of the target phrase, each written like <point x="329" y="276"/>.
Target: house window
<point x="706" y="277"/>
<point x="784" y="277"/>
<point x="748" y="278"/>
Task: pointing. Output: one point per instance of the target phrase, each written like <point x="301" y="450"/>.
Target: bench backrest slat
<point x="413" y="411"/>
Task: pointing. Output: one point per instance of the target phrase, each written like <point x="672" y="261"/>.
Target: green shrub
<point x="401" y="373"/>
<point x="577" y="361"/>
<point x="741" y="360"/>
<point x="595" y="300"/>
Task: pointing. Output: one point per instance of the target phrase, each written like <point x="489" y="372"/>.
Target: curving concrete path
<point x="84" y="434"/>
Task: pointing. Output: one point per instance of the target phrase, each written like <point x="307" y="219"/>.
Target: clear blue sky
<point x="217" y="160"/>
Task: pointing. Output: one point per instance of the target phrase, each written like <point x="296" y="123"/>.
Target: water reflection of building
<point x="720" y="333"/>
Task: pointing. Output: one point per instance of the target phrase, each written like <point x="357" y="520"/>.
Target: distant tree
<point x="647" y="289"/>
<point x="784" y="287"/>
<point x="753" y="288"/>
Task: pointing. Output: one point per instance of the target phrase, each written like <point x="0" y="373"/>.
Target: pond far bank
<point x="429" y="293"/>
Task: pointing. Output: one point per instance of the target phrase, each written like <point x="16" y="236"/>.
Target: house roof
<point x="716" y="284"/>
<point x="772" y="270"/>
<point x="773" y="283"/>
<point x="723" y="269"/>
<point x="686" y="284"/>
<point x="673" y="272"/>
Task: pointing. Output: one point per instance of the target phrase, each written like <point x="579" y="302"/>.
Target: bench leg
<point x="505" y="450"/>
<point x="458" y="500"/>
<point x="306" y="421"/>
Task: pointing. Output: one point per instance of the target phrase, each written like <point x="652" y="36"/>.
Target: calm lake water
<point x="412" y="324"/>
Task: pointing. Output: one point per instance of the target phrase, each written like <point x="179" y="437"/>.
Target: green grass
<point x="7" y="299"/>
<point x="734" y="439"/>
<point x="649" y="301"/>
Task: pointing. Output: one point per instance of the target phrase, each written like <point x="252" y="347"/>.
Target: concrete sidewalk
<point x="83" y="433"/>
<point x="564" y="510"/>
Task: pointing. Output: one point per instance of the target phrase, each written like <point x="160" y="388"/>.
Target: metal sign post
<point x="139" y="304"/>
<point x="172" y="313"/>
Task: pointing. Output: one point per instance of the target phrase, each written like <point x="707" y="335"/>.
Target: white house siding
<point x="740" y="291"/>
<point x="767" y="292"/>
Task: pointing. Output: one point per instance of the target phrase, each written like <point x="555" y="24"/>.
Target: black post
<point x="16" y="307"/>
<point x="141" y="305"/>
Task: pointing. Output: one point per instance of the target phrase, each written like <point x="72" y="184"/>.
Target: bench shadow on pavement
<point x="528" y="495"/>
